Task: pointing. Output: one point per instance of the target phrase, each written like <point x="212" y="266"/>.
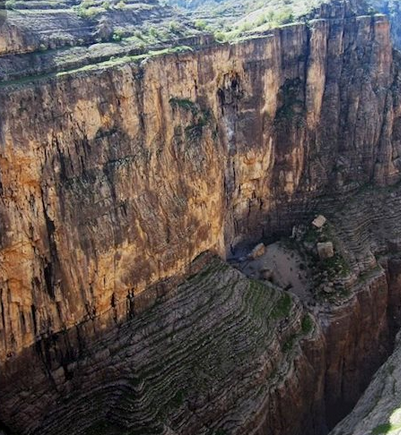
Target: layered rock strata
<point x="219" y="353"/>
<point x="114" y="180"/>
<point x="198" y="362"/>
<point x="32" y="27"/>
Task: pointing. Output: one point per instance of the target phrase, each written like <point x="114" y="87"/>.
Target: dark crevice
<point x="50" y="264"/>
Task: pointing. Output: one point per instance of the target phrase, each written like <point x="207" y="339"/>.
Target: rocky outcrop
<point x="325" y="250"/>
<point x="218" y="354"/>
<point x="392" y="9"/>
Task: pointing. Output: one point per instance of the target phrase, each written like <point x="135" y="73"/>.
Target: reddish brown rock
<point x="109" y="187"/>
<point x="113" y="181"/>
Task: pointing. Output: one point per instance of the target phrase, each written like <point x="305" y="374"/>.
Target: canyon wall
<point x="36" y="27"/>
<point x="115" y="179"/>
<point x="378" y="411"/>
<point x="220" y="355"/>
<point x="212" y="358"/>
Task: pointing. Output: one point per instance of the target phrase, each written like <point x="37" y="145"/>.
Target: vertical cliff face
<point x="115" y="179"/>
<point x="219" y="353"/>
<point x="378" y="410"/>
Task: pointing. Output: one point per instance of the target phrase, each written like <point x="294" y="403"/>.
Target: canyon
<point x="133" y="186"/>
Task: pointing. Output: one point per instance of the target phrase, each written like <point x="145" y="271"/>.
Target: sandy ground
<point x="282" y="266"/>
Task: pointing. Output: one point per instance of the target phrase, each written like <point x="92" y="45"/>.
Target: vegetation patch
<point x="386" y="428"/>
<point x="178" y="400"/>
<point x="89" y="9"/>
<point x="289" y="343"/>
<point x="292" y="107"/>
<point x="112" y="62"/>
<point x="194" y="131"/>
<point x="201" y="118"/>
<point x="334" y="266"/>
<point x="184" y="104"/>
<point x="283" y="307"/>
<point x="307" y="324"/>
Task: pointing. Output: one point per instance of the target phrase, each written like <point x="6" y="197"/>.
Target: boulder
<point x="325" y="250"/>
<point x="257" y="251"/>
<point x="319" y="221"/>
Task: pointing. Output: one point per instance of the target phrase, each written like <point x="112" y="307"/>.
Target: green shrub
<point x="11" y="4"/>
<point x="283" y="307"/>
<point x="153" y="32"/>
<point x="220" y="36"/>
<point x="262" y="19"/>
<point x="86" y="4"/>
<point x="385" y="428"/>
<point x="200" y="24"/>
<point x="174" y="27"/>
<point x="184" y="104"/>
<point x="178" y="400"/>
<point x="284" y="17"/>
<point x="245" y="27"/>
<point x="307" y="324"/>
<point x="138" y="34"/>
<point x="289" y="343"/>
<point x="87" y="9"/>
<point x="118" y="35"/>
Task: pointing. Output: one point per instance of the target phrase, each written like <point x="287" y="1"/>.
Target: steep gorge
<point x="114" y="180"/>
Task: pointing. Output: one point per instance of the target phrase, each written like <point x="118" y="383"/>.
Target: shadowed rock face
<point x="218" y="353"/>
<point x="378" y="410"/>
<point x="196" y="363"/>
<point x="115" y="180"/>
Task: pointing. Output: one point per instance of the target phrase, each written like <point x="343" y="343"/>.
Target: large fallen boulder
<point x="325" y="250"/>
<point x="257" y="251"/>
<point x="319" y="222"/>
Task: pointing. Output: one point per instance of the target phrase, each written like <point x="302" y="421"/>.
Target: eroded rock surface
<point x="214" y="356"/>
<point x="114" y="180"/>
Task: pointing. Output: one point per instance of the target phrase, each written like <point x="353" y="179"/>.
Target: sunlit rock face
<point x="114" y="181"/>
